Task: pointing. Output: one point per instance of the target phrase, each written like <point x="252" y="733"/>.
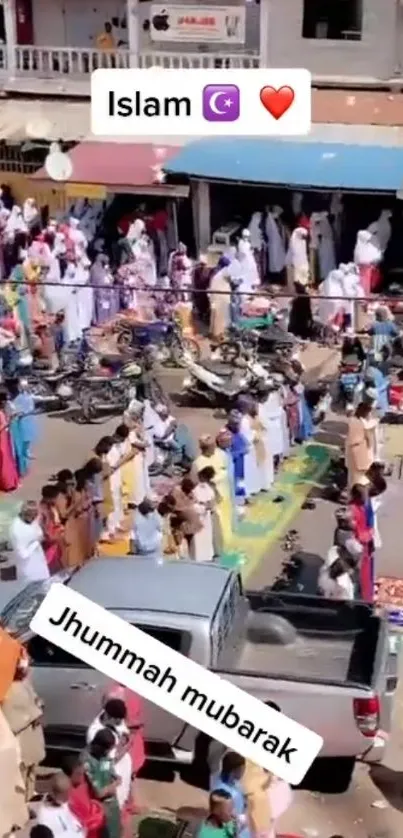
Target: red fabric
<point x="134" y="719"/>
<point x="88" y="811"/>
<point x="10" y="324"/>
<point x="52" y="533"/>
<point x="370" y="278"/>
<point x="364" y="535"/>
<point x="125" y="222"/>
<point x="159" y="221"/>
<point x="8" y="467"/>
<point x="303" y="221"/>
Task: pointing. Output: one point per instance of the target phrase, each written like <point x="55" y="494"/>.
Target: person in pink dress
<point x="8" y="467"/>
<point x="134" y="721"/>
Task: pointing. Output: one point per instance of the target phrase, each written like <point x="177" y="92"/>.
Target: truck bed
<point x="334" y="642"/>
<point x="313" y="658"/>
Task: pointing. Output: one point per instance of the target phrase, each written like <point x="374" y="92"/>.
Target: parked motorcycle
<point x="102" y="393"/>
<point x="220" y="384"/>
<point x="52" y="390"/>
<point x="168" y="462"/>
<point x="166" y="336"/>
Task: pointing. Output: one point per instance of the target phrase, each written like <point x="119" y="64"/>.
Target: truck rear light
<point x="366" y="714"/>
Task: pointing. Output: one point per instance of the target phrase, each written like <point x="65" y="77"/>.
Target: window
<point x="44" y="653"/>
<point x="179" y="641"/>
<point x="332" y="20"/>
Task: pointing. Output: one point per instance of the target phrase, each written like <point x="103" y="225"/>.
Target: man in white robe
<point x="54" y="293"/>
<point x="272" y="411"/>
<point x="352" y="290"/>
<point x="26" y="538"/>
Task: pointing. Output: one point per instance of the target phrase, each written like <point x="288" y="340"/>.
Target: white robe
<point x="297" y="256"/>
<point x="26" y="543"/>
<point x="250" y="279"/>
<point x="202" y="546"/>
<point x="267" y="469"/>
<point x="273" y="412"/>
<point x="251" y="471"/>
<point x="79" y="240"/>
<point x="145" y="262"/>
<point x="85" y="298"/>
<point x="330" y="288"/>
<point x="54" y="295"/>
<point x="352" y="290"/>
<point x="141" y="482"/>
<point x="276" y="245"/>
<point x="366" y="251"/>
<point x="72" y="327"/>
<point x="255" y="231"/>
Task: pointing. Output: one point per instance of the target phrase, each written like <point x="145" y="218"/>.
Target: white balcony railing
<point x="53" y="62"/>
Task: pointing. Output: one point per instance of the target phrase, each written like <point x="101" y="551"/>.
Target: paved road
<point x="357" y="813"/>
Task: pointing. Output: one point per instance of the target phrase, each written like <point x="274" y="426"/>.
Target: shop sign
<point x="225" y="24"/>
<point x="86" y="190"/>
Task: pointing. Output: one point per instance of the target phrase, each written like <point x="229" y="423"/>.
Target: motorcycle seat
<point x="218" y="368"/>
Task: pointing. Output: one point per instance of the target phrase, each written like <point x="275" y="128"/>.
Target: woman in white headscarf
<point x="136" y="230"/>
<point x="275" y="242"/>
<point x="85" y="295"/>
<point x="77" y="237"/>
<point x="54" y="293"/>
<point x="367" y="257"/>
<point x="15" y="222"/>
<point x="30" y="213"/>
<point x="72" y="327"/>
<point x="352" y="290"/>
<point x="331" y="309"/>
<point x="145" y="261"/>
<point x="250" y="279"/>
<point x="326" y="249"/>
<point x="381" y="230"/>
<point x="297" y="256"/>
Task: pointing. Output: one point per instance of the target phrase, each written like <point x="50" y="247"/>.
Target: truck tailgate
<point x="327" y="709"/>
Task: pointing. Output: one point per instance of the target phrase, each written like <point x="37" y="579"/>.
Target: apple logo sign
<point x="160" y="21"/>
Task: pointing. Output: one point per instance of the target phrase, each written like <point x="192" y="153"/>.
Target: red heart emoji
<point x="277" y="102"/>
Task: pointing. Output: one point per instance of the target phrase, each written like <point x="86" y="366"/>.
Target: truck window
<point x="224" y="618"/>
<point x="44" y="653"/>
<point x="179" y="641"/>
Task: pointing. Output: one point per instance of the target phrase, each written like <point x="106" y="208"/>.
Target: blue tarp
<point x="324" y="165"/>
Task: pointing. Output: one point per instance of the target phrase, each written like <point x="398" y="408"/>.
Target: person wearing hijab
<point x="326" y="248"/>
<point x="381" y="230"/>
<point x="30" y="213"/>
<point x="15" y="222"/>
<point x="143" y="253"/>
<point x="249" y="273"/>
<point x="106" y="295"/>
<point x="77" y="237"/>
<point x="72" y="327"/>
<point x="297" y="258"/>
<point x="331" y="306"/>
<point x="301" y="318"/>
<point x="219" y="294"/>
<point x="201" y="281"/>
<point x="367" y="257"/>
<point x="276" y="242"/>
<point x="255" y="229"/>
<point x="85" y="294"/>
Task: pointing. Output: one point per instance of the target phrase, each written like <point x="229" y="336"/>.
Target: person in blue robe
<point x="239" y="449"/>
<point x="24" y="424"/>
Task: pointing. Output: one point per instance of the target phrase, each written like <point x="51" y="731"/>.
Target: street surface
<point x="374" y="803"/>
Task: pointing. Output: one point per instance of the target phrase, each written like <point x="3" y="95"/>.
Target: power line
<point x="264" y="292"/>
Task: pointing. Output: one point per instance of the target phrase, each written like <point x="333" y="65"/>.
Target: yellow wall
<point x="22" y="187"/>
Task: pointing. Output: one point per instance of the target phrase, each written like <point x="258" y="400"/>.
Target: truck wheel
<point x="330" y="776"/>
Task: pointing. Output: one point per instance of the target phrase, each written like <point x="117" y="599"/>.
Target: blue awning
<point x="321" y="165"/>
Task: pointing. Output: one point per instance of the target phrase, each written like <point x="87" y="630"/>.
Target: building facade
<point x="52" y="46"/>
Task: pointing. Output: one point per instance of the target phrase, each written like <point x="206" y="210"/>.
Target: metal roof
<point x="308" y="163"/>
<point x="127" y="584"/>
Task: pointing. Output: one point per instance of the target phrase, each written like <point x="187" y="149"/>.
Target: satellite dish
<point x="58" y="165"/>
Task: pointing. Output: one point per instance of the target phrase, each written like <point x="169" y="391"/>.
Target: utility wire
<point x="263" y="292"/>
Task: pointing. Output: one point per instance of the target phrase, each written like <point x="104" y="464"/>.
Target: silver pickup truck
<point x="331" y="666"/>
